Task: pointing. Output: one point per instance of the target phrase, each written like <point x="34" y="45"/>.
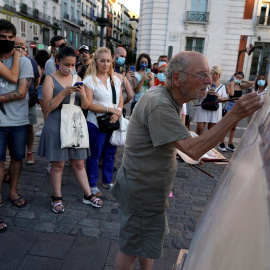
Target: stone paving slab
<point x="14" y="245"/>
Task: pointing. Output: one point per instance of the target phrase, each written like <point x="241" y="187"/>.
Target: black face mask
<point x="6" y="46"/>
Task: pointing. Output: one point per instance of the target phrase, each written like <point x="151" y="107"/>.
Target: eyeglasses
<point x="202" y="76"/>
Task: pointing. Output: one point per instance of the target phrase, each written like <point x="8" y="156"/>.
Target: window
<point x="76" y="39"/>
<point x="65" y="33"/>
<point x="71" y="37"/>
<point x="8" y="18"/>
<point x="199" y="5"/>
<point x="265" y="14"/>
<point x="23" y="28"/>
<point x="35" y="30"/>
<point x="195" y="44"/>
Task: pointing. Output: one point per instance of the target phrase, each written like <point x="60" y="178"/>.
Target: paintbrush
<point x="221" y="101"/>
<point x="205" y="172"/>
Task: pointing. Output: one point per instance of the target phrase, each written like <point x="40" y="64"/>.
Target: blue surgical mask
<point x="237" y="81"/>
<point x="161" y="63"/>
<point x="120" y="61"/>
<point x="143" y="66"/>
<point x="161" y="77"/>
<point x="261" y="82"/>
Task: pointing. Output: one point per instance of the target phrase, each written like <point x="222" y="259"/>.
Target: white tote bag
<point x="73" y="130"/>
<point x="118" y="137"/>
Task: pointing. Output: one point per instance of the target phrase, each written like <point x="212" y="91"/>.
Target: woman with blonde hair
<point x="100" y="82"/>
<point x="203" y="116"/>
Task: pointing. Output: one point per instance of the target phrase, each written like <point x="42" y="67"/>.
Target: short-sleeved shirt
<point x="149" y="161"/>
<point x="102" y="95"/>
<point x="50" y="67"/>
<point x="36" y="74"/>
<point x="17" y="110"/>
<point x="145" y="87"/>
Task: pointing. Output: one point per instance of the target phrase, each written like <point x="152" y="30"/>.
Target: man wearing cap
<point x="85" y="57"/>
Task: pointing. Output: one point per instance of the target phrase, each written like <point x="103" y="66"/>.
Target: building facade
<point x="35" y="21"/>
<point x="221" y="30"/>
<point x="93" y="23"/>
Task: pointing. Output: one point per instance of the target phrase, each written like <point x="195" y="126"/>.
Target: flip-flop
<point x="18" y="200"/>
<point x="2" y="229"/>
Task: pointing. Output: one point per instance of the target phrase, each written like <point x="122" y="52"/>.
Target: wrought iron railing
<point x="197" y="16"/>
<point x="263" y="20"/>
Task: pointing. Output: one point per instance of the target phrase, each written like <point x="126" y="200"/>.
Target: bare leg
<point x="200" y="128"/>
<point x="81" y="176"/>
<point x="30" y="138"/>
<point x="124" y="262"/>
<point x="56" y="179"/>
<point x="146" y="263"/>
<point x="15" y="169"/>
<point x="210" y="125"/>
<point x="231" y="135"/>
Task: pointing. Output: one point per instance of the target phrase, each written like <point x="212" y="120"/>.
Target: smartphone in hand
<point x="78" y="83"/>
<point x="147" y="70"/>
<point x="132" y="68"/>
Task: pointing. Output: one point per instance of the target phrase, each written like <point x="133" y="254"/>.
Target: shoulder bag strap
<point x="219" y="87"/>
<point x="113" y="92"/>
<point x="72" y="96"/>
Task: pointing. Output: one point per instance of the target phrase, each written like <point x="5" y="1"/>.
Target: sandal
<point x="96" y="191"/>
<point x="3" y="228"/>
<point x="57" y="204"/>
<point x="92" y="200"/>
<point x="18" y="203"/>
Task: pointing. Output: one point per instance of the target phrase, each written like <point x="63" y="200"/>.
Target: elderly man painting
<point x="144" y="181"/>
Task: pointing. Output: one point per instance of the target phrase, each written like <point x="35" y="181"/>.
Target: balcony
<point x="197" y="16"/>
<point x="9" y="6"/>
<point x="263" y="20"/>
<point x="56" y="22"/>
<point x="23" y="9"/>
<point x="66" y="16"/>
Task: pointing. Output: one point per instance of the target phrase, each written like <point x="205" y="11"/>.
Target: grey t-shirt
<point x="149" y="161"/>
<point x="16" y="111"/>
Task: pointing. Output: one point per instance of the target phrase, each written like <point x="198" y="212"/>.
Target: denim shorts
<point x="15" y="139"/>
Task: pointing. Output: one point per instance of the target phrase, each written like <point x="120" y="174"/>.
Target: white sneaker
<point x="38" y="134"/>
<point x="222" y="147"/>
<point x="49" y="168"/>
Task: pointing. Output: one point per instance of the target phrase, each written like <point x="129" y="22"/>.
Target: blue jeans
<point x="100" y="147"/>
<point x="15" y="139"/>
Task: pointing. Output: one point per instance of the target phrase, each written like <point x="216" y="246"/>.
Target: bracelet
<point x="83" y="96"/>
<point x="106" y="109"/>
<point x="119" y="109"/>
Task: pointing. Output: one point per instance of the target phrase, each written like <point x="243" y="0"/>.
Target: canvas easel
<point x="234" y="230"/>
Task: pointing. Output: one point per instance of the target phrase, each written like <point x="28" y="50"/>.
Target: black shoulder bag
<point x="209" y="99"/>
<point x="104" y="120"/>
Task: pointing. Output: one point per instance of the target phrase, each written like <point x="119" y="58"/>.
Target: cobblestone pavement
<point x="84" y="237"/>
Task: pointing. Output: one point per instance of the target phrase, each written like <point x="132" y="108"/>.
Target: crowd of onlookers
<point x="49" y="80"/>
